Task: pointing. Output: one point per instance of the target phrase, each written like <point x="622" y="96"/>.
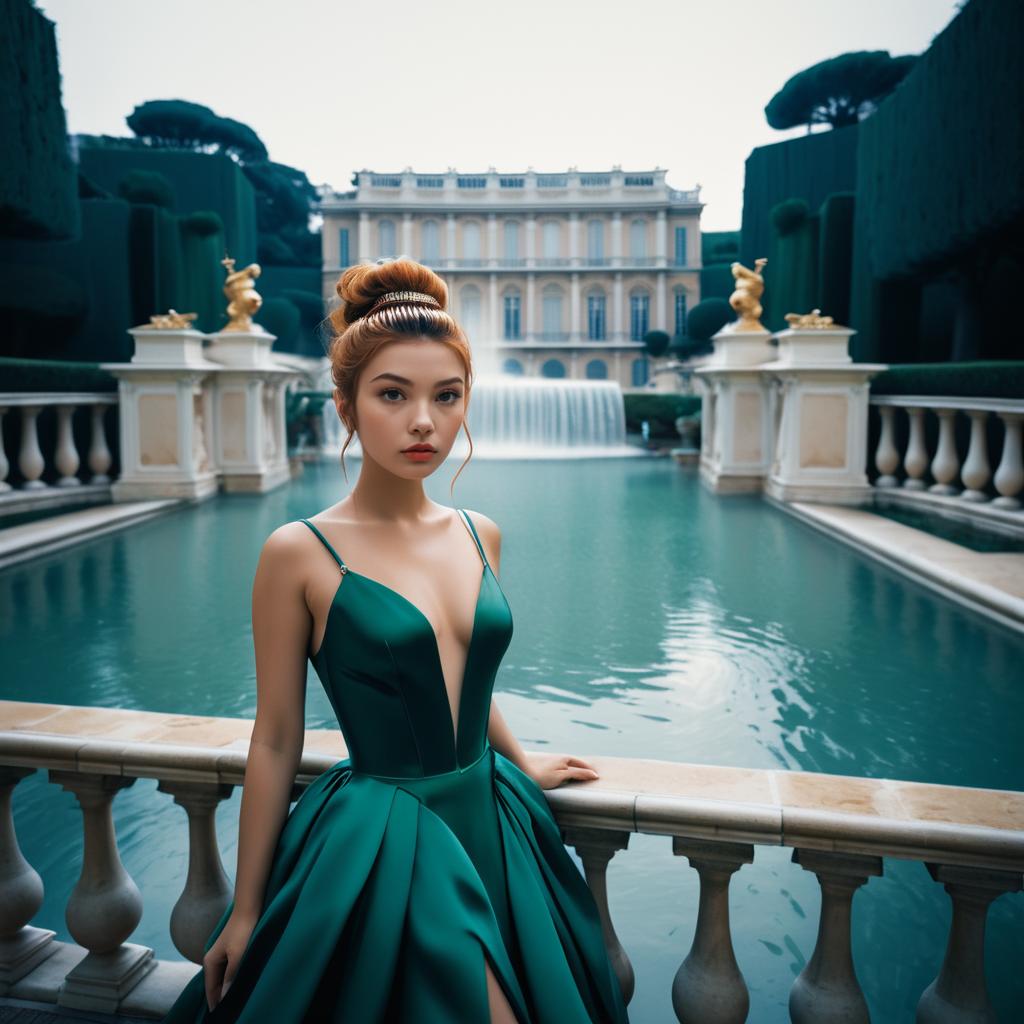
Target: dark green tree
<point x="839" y="91"/>
<point x="182" y="124"/>
<point x="285" y="197"/>
<point x="284" y="202"/>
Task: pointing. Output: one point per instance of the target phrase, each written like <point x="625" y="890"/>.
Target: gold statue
<point x="172" y="320"/>
<point x="245" y="300"/>
<point x="745" y="299"/>
<point x="813" y="320"/>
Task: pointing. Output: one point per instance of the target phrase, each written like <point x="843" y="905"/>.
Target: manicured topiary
<point x="202" y="224"/>
<point x="707" y="318"/>
<point x="657" y="343"/>
<point x="788" y="215"/>
<point x="150" y="187"/>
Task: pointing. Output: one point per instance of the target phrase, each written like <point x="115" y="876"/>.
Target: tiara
<point x="410" y="298"/>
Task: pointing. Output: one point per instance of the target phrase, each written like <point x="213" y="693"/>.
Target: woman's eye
<point x="456" y="395"/>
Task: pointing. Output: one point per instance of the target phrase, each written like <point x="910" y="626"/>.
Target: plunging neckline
<point x="454" y="714"/>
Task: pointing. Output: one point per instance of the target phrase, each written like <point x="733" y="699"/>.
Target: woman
<point x="422" y="879"/>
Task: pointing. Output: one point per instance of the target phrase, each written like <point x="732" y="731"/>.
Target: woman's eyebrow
<point x="405" y="380"/>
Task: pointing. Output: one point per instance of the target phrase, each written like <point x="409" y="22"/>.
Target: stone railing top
<point x="1009" y="405"/>
<point x="11" y="398"/>
<point x="888" y="817"/>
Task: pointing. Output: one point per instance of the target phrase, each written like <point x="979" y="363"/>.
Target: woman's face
<point x="412" y="392"/>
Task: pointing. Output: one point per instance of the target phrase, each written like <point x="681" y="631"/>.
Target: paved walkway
<point x="991" y="583"/>
<point x="29" y="540"/>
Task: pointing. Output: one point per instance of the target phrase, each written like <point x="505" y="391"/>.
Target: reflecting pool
<point x="652" y="619"/>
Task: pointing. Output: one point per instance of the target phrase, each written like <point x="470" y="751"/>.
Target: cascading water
<point x="529" y="418"/>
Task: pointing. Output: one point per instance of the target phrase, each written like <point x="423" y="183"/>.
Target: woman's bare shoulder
<point x="490" y="533"/>
<point x="288" y="551"/>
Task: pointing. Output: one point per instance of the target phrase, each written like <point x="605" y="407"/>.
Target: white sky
<point x="384" y="84"/>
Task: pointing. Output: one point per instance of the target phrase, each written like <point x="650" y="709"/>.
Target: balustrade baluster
<point x="959" y="994"/>
<point x="1009" y="478"/>
<point x="105" y="906"/>
<point x="887" y="458"/>
<point x="827" y="990"/>
<point x="207" y="891"/>
<point x="946" y="463"/>
<point x="65" y="456"/>
<point x="22" y="947"/>
<point x="915" y="461"/>
<point x="30" y="458"/>
<point x="5" y="466"/>
<point x="99" y="459"/>
<point x="708" y="987"/>
<point x="596" y="847"/>
<point x="976" y="470"/>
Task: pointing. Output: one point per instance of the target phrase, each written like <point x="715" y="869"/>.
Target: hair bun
<point x="360" y="286"/>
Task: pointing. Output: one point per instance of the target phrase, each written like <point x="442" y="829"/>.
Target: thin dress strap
<point x="479" y="546"/>
<point x="326" y="544"/>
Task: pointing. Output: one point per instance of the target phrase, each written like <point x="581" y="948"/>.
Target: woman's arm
<point x="281" y="625"/>
<point x="501" y="738"/>
<point x="281" y="634"/>
<point x="547" y="771"/>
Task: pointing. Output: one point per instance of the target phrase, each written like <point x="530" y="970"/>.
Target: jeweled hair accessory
<point x="406" y="298"/>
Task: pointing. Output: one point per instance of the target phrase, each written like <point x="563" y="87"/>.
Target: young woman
<point x="422" y="879"/>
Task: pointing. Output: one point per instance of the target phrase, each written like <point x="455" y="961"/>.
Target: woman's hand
<point x="551" y="771"/>
<point x="221" y="960"/>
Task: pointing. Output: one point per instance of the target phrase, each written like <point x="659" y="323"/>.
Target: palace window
<point x="471" y="240"/>
<point x="552" y="239"/>
<point x="680" y="317"/>
<point x="511" y="241"/>
<point x="680" y="254"/>
<point x="386" y="238"/>
<point x="596" y="324"/>
<point x="638" y="239"/>
<point x="639" y="314"/>
<point x="431" y="242"/>
<point x="513" y="330"/>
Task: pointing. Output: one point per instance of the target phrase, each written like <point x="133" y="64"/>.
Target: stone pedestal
<point x="165" y="417"/>
<point x="250" y="447"/>
<point x="819" y="440"/>
<point x="242" y="349"/>
<point x="737" y="411"/>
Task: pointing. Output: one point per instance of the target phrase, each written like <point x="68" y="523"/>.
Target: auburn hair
<point x="357" y="338"/>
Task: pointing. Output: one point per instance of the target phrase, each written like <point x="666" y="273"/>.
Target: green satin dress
<point x="406" y="863"/>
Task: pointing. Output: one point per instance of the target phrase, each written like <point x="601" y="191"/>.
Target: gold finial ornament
<point x="813" y="320"/>
<point x="746" y="298"/>
<point x="172" y="320"/>
<point x="403" y="298"/>
<point x="244" y="299"/>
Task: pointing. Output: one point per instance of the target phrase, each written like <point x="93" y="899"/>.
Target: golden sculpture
<point x="746" y="298"/>
<point x="172" y="320"/>
<point x="813" y="320"/>
<point x="244" y="299"/>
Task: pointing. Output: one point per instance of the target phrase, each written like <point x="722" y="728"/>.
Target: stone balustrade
<point x="841" y="829"/>
<point x="65" y="457"/>
<point x="967" y="479"/>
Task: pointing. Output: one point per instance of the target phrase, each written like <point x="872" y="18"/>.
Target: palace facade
<point x="563" y="274"/>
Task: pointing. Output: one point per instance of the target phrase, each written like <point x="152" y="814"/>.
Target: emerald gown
<point x="406" y="863"/>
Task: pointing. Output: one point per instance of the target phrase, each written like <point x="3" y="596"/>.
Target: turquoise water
<point x="652" y="619"/>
